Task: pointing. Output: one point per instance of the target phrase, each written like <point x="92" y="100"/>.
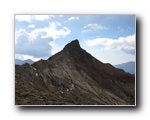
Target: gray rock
<point x="73" y="77"/>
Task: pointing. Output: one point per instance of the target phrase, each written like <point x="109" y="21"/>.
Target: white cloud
<point x="95" y="27"/>
<point x="32" y="44"/>
<point x="52" y="44"/>
<point x="31" y="18"/>
<point x="42" y="17"/>
<point x="38" y="43"/>
<point x="126" y="44"/>
<point x="73" y="18"/>
<point x="86" y="31"/>
<point x="53" y="32"/>
<point x="31" y="26"/>
<point x="21" y="18"/>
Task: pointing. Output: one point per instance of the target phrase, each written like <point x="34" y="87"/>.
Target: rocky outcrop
<point x="73" y="77"/>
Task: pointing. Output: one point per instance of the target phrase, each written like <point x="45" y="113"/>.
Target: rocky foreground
<point x="73" y="77"/>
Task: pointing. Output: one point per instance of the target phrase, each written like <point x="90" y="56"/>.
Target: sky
<point x="109" y="38"/>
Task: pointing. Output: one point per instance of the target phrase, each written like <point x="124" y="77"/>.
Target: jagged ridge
<point x="73" y="77"/>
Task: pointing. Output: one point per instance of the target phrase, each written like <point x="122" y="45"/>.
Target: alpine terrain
<point x="127" y="67"/>
<point x="73" y="77"/>
<point x="21" y="62"/>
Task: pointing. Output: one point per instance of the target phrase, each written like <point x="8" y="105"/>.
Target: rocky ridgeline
<point x="73" y="77"/>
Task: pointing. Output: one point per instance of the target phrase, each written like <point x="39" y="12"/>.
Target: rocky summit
<point x="73" y="77"/>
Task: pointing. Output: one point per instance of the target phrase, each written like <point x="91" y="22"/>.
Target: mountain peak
<point x="73" y="77"/>
<point x="72" y="45"/>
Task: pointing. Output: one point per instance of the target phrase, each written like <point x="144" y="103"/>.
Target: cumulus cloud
<point x="21" y="18"/>
<point x="53" y="32"/>
<point x="126" y="44"/>
<point x="73" y="18"/>
<point x="28" y="44"/>
<point x="90" y="27"/>
<point x="31" y="18"/>
<point x="31" y="26"/>
<point x="42" y="17"/>
<point x="38" y="43"/>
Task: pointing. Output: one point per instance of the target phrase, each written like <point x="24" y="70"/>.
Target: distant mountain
<point x="21" y="62"/>
<point x="127" y="67"/>
<point x="73" y="77"/>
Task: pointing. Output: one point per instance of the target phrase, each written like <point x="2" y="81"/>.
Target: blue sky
<point x="109" y="38"/>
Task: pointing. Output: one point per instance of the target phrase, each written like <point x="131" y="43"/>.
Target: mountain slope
<point x="73" y="77"/>
<point x="127" y="67"/>
<point x="21" y="62"/>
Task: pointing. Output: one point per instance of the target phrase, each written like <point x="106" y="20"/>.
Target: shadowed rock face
<point x="73" y="77"/>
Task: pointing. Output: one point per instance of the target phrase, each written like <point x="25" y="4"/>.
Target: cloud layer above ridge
<point x="126" y="44"/>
